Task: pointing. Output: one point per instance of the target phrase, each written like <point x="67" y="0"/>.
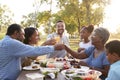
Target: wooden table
<point x="23" y="77"/>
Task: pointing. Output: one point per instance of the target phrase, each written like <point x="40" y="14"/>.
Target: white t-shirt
<point x="62" y="53"/>
<point x="85" y="45"/>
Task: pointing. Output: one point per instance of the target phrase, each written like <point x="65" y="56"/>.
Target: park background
<point x="43" y="14"/>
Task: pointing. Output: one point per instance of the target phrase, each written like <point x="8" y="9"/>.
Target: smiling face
<point x="31" y="36"/>
<point x="84" y="34"/>
<point x="34" y="38"/>
<point x="60" y="27"/>
<point x="96" y="39"/>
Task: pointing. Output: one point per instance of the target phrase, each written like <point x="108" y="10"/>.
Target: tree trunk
<point x="88" y="13"/>
<point x="79" y="26"/>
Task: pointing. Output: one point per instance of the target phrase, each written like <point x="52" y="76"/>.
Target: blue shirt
<point x="97" y="62"/>
<point x="114" y="72"/>
<point x="11" y="51"/>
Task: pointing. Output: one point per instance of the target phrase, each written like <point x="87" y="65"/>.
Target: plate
<point x="82" y="73"/>
<point x="95" y="72"/>
<point x="68" y="73"/>
<point x="31" y="68"/>
<point x="52" y="70"/>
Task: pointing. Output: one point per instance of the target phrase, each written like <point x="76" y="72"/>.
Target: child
<point x="113" y="54"/>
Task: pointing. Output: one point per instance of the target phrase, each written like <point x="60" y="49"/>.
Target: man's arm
<point x="22" y="50"/>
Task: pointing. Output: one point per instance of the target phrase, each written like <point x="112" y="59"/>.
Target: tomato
<point x="88" y="78"/>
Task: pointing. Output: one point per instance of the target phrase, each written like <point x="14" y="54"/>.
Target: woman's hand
<point x="80" y="49"/>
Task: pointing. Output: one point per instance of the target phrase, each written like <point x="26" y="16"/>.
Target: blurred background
<point x="43" y="14"/>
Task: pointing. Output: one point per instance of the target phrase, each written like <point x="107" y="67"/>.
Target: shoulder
<point x="89" y="50"/>
<point x="115" y="69"/>
<point x="10" y="41"/>
<point x="51" y="35"/>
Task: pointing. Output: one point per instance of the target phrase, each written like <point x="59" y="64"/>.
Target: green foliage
<point x="73" y="12"/>
<point x="43" y="17"/>
<point x="5" y="16"/>
<point x="2" y="35"/>
<point x="71" y="28"/>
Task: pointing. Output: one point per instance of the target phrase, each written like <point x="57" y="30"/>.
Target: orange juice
<point x="57" y="38"/>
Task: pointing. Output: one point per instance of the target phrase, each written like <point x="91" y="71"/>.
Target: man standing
<point x="11" y="51"/>
<point x="60" y="37"/>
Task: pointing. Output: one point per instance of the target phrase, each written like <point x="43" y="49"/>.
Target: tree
<point x="83" y="12"/>
<point x="75" y="14"/>
<point x="5" y="16"/>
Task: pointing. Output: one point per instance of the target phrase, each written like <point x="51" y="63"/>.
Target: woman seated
<point x="31" y="38"/>
<point x="96" y="54"/>
<point x="85" y="35"/>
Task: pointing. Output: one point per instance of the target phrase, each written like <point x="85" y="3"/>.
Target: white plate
<point x="95" y="72"/>
<point x="84" y="68"/>
<point x="81" y="71"/>
<point x="30" y="68"/>
<point x="43" y="70"/>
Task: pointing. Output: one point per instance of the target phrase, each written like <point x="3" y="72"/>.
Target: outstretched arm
<point x="80" y="55"/>
<point x="49" y="42"/>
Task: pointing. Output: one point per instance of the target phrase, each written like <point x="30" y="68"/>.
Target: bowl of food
<point x="46" y="71"/>
<point x="94" y="74"/>
<point x="59" y="64"/>
<point x="81" y="72"/>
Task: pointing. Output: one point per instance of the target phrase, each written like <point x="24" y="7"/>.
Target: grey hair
<point x="102" y="33"/>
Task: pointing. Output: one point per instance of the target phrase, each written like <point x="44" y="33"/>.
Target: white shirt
<point x="85" y="45"/>
<point x="64" y="40"/>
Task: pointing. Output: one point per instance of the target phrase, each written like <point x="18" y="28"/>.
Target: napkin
<point x="52" y="75"/>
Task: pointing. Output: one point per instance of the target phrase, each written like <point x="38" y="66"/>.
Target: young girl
<point x="85" y="36"/>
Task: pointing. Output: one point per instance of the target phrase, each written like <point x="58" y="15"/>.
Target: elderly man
<point x="96" y="54"/>
<point x="11" y="51"/>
